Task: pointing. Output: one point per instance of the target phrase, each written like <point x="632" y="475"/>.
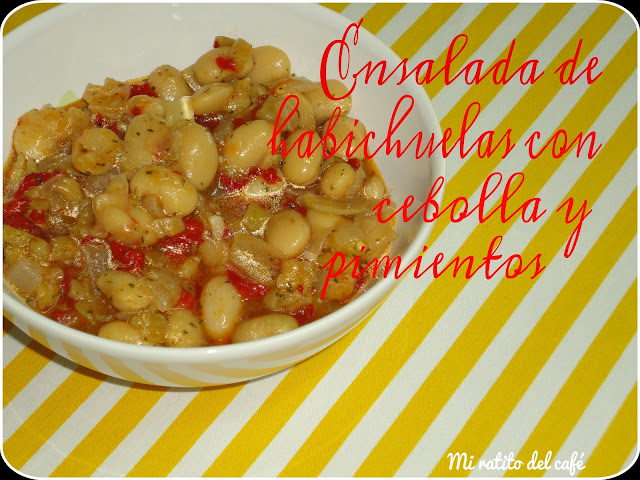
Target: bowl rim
<point x="359" y="306"/>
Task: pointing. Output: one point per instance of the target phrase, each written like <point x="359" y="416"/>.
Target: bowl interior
<point x="71" y="45"/>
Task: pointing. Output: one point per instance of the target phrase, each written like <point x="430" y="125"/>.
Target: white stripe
<point x="603" y="407"/>
<point x="74" y="429"/>
<point x="142" y="437"/>
<point x="226" y="426"/>
<point x="35" y="393"/>
<point x="355" y="11"/>
<point x="13" y="343"/>
<point x="401" y="21"/>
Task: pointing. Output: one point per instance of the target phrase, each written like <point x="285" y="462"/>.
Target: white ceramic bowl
<point x="74" y="44"/>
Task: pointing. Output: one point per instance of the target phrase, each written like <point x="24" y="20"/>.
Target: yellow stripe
<point x="477" y="32"/>
<point x="24" y="366"/>
<point x="49" y="416"/>
<point x="336" y="7"/>
<point x="409" y="427"/>
<point x="575" y="395"/>
<point x="102" y="440"/>
<point x="426" y="25"/>
<point x="176" y="440"/>
<point x="6" y="324"/>
<point x="615" y="445"/>
<point x="378" y="15"/>
<point x="24" y="14"/>
<point x="277" y="409"/>
<point x="374" y="378"/>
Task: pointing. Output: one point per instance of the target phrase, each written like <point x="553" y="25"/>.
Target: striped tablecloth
<point x="482" y="367"/>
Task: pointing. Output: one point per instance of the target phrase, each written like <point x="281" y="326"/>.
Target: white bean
<point x="121" y="332"/>
<point x="321" y="222"/>
<point x="39" y="133"/>
<point x="184" y="330"/>
<point x="176" y="194"/>
<point x="211" y="68"/>
<point x="145" y="104"/>
<point x="168" y="83"/>
<point x="264" y="326"/>
<point x="198" y="159"/>
<point x="247" y="145"/>
<point x="124" y="290"/>
<point x="221" y="308"/>
<point x="96" y="150"/>
<point x="374" y="188"/>
<point x="271" y="64"/>
<point x="323" y="106"/>
<point x="289" y="232"/>
<point x="147" y="141"/>
<point x="337" y="180"/>
<point x="206" y="69"/>
<point x="349" y="134"/>
<point x="302" y="169"/>
<point x="212" y="98"/>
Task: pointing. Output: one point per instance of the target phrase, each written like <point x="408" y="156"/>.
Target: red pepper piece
<point x="88" y="239"/>
<point x="259" y="102"/>
<point x="270" y="175"/>
<point x="354" y="162"/>
<point x="226" y="63"/>
<point x="33" y="180"/>
<point x="127" y="258"/>
<point x="247" y="289"/>
<point x="135" y="111"/>
<point x="230" y="184"/>
<point x="216" y="44"/>
<point x="26" y="225"/>
<point x="65" y="312"/>
<point x="186" y="301"/>
<point x="238" y="121"/>
<point x="301" y="209"/>
<point x="37" y="217"/>
<point x="142" y="89"/>
<point x="209" y="120"/>
<point x="304" y="314"/>
<point x="17" y="206"/>
<point x="104" y="122"/>
<point x="178" y="246"/>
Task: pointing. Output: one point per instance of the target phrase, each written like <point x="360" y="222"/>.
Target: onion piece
<point x="25" y="275"/>
<point x="256" y="258"/>
<point x="338" y="206"/>
<point x="96" y="258"/>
